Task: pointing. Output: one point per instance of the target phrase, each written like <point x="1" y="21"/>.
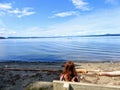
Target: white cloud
<point x="8" y="9"/>
<point x="5" y="6"/>
<point x="24" y="12"/>
<point x="81" y="4"/>
<point x="15" y="11"/>
<point x="65" y="14"/>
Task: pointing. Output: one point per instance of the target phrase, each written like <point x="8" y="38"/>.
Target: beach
<point x="18" y="75"/>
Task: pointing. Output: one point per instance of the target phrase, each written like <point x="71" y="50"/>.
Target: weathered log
<point x="99" y="73"/>
<point x="83" y="71"/>
<point x="110" y="74"/>
<point x="26" y="69"/>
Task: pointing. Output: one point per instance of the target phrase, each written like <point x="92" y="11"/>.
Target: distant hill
<point x="2" y="37"/>
<point x="62" y="36"/>
<point x="21" y="37"/>
<point x="102" y="35"/>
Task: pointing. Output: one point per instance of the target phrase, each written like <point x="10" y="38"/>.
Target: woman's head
<point x="69" y="68"/>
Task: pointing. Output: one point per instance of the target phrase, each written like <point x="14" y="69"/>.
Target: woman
<point x="69" y="73"/>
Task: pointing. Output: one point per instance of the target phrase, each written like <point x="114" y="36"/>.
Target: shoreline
<point x="11" y="79"/>
<point x="59" y="61"/>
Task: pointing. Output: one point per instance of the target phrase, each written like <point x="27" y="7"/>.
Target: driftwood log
<point x="26" y="69"/>
<point x="83" y="71"/>
<point x="110" y="74"/>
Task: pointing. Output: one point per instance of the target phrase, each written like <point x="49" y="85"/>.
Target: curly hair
<point x="69" y="70"/>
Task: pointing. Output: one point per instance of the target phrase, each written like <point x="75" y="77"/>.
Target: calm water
<point x="61" y="49"/>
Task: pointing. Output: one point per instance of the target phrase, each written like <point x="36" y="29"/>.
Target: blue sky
<point x="59" y="17"/>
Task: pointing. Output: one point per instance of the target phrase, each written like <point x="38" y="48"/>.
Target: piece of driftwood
<point x="111" y="74"/>
<point x="99" y="73"/>
<point x="83" y="71"/>
<point x="26" y="69"/>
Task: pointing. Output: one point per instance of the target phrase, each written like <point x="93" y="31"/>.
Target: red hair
<point x="69" y="70"/>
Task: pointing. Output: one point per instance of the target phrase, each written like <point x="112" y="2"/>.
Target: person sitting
<point x="69" y="73"/>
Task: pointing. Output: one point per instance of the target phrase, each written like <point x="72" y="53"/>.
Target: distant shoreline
<point x="61" y="36"/>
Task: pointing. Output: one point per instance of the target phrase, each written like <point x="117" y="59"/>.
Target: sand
<point x="49" y="71"/>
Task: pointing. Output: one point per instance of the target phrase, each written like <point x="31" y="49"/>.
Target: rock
<point x="40" y="86"/>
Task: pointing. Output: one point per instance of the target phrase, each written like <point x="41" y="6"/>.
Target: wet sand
<point x="49" y="71"/>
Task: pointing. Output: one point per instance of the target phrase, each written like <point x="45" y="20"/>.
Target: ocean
<point x="86" y="49"/>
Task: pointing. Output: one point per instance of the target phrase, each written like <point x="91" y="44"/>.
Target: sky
<point x="43" y="18"/>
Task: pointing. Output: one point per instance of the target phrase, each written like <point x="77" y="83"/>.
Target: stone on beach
<point x="40" y="86"/>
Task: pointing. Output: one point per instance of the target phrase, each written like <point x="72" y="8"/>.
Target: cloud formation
<point x="6" y="8"/>
<point x="81" y="4"/>
<point x="24" y="12"/>
<point x="65" y="14"/>
<point x="98" y="22"/>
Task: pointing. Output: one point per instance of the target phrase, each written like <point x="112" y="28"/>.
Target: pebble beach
<point x="18" y="75"/>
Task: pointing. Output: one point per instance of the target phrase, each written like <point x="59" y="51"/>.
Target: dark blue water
<point x="61" y="49"/>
